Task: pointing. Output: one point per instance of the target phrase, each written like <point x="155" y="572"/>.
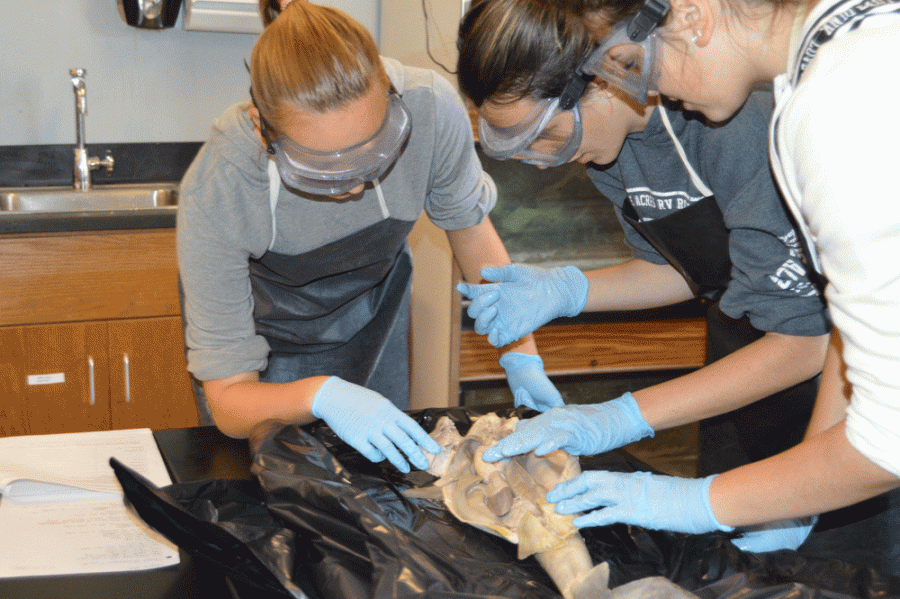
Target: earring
<point x="696" y="36"/>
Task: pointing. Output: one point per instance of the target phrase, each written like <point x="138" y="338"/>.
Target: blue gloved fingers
<point x="525" y="372"/>
<point x="557" y="428"/>
<point x="368" y="422"/>
<point x="655" y="501"/>
<point x="505" y="273"/>
<point x="383" y="440"/>
<point x="522" y="398"/>
<point x="578" y="429"/>
<point x="418" y="435"/>
<point x="473" y="290"/>
<point x="577" y="494"/>
<point x="588" y="491"/>
<point x="517" y="443"/>
<point x="487" y="296"/>
<point x="772" y="536"/>
<point x="498" y="338"/>
<point x="484" y="323"/>
<point x="404" y="434"/>
<point x="530" y="297"/>
<point x="543" y="393"/>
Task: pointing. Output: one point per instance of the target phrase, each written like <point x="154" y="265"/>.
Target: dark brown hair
<point x="511" y="49"/>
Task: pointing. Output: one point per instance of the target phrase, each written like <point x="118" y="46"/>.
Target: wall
<point x="403" y="32"/>
<point x="142" y="85"/>
<point x="152" y="85"/>
<point x="435" y="303"/>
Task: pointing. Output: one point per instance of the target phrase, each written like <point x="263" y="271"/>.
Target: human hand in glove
<point x="577" y="429"/>
<point x="653" y="501"/>
<point x="529" y="383"/>
<point x="522" y="298"/>
<point x="371" y="424"/>
<point x="772" y="536"/>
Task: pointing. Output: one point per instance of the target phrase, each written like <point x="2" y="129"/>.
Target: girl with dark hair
<point x="702" y="215"/>
<point x="831" y="144"/>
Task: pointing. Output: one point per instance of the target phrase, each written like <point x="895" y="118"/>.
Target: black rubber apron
<point x="702" y="259"/>
<point x="866" y="533"/>
<point x="341" y="309"/>
<point x="695" y="241"/>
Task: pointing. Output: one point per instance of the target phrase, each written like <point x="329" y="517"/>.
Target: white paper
<point x="62" y="510"/>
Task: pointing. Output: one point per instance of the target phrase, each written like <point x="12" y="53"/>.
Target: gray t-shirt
<point x="225" y="215"/>
<point x="769" y="281"/>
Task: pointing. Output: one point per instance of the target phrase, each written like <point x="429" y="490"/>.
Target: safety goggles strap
<point x="648" y="18"/>
<point x="574" y="90"/>
<point x="263" y="126"/>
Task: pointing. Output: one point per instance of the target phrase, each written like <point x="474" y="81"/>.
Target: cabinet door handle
<point x="91" y="374"/>
<point x="127" y="380"/>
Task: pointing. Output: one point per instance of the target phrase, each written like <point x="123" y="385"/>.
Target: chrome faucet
<point x="84" y="164"/>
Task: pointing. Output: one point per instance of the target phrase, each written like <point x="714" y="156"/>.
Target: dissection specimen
<point x="508" y="499"/>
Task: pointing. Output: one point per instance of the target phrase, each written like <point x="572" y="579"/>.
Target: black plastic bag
<point x="341" y="528"/>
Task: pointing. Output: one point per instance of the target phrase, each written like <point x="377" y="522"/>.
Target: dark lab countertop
<point x="55" y="222"/>
<point x="203" y="453"/>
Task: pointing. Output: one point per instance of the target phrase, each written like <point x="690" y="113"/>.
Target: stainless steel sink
<point x="100" y="198"/>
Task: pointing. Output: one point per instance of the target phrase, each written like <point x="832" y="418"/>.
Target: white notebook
<point x="62" y="510"/>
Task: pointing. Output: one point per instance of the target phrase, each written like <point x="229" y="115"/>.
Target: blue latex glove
<point x="371" y="424"/>
<point x="772" y="536"/>
<point x="577" y="429"/>
<point x="522" y="298"/>
<point x="650" y="500"/>
<point x="529" y="383"/>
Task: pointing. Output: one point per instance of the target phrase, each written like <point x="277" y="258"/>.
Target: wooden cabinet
<point x="48" y="386"/>
<point x="90" y="333"/>
<point x="149" y="382"/>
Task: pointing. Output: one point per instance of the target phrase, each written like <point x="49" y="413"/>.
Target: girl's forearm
<point x="822" y="473"/>
<point x="769" y="365"/>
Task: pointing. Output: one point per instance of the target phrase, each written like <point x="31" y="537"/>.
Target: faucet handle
<point x="108" y="162"/>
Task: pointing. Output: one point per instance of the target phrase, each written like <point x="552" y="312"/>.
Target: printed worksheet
<point x="62" y="510"/>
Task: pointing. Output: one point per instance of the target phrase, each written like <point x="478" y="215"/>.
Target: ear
<point x="598" y="87"/>
<point x="692" y="21"/>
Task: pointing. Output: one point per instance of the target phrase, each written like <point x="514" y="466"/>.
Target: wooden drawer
<point x="88" y="276"/>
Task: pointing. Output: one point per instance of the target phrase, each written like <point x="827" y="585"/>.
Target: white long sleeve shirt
<point x="835" y="152"/>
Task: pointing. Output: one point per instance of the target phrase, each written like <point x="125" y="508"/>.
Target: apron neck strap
<point x="695" y="178"/>
<point x="274" y="189"/>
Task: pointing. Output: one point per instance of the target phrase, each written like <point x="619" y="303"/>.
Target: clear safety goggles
<point x="629" y="58"/>
<point x="336" y="173"/>
<point x="548" y="136"/>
